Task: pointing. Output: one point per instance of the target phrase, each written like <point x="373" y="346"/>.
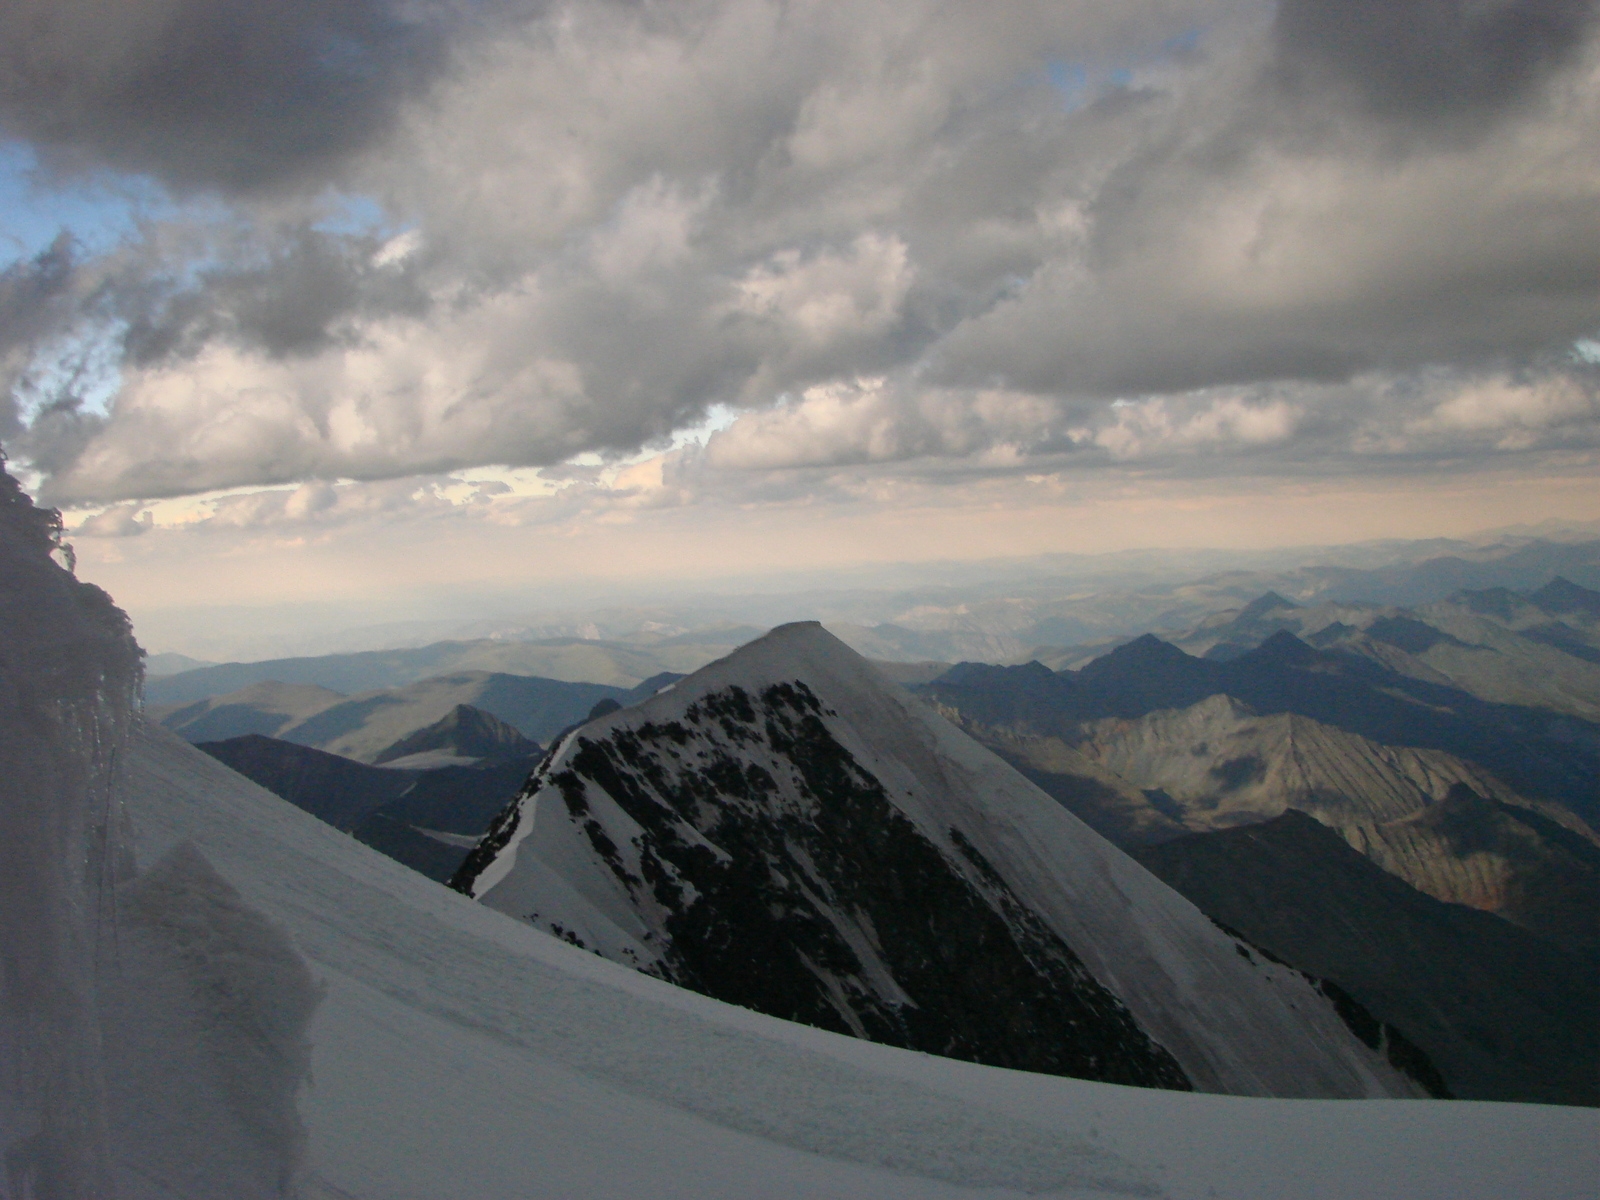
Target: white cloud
<point x="829" y="297"/>
<point x="119" y="521"/>
<point x="1158" y="426"/>
<point x="1514" y="415"/>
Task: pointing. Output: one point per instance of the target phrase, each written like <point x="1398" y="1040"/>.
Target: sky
<point x="354" y="299"/>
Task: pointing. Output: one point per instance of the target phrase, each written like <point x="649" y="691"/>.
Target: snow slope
<point x="627" y="824"/>
<point x="179" y="946"/>
<point x="457" y="1054"/>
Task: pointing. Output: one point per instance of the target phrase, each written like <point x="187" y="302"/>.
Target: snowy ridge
<point x="460" y="1055"/>
<point x="617" y="833"/>
<point x="173" y="952"/>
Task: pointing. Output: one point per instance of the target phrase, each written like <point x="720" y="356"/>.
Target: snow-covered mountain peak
<point x="787" y="830"/>
<point x="787" y="652"/>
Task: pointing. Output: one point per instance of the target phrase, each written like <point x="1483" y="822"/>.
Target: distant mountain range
<point x="1398" y="801"/>
<point x="1389" y="694"/>
<point x="384" y="724"/>
<point x="1448" y="755"/>
<point x="1181" y="744"/>
<point x="567" y="661"/>
<point x="1001" y="611"/>
<point x="427" y="819"/>
<point x="1540" y="649"/>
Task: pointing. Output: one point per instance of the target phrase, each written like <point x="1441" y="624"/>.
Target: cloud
<point x="208" y="93"/>
<point x="1232" y="249"/>
<point x="285" y="289"/>
<point x="825" y="310"/>
<point x="120" y="521"/>
<point x="881" y="233"/>
<point x="1427" y="62"/>
<point x="35" y="295"/>
<point x="1154" y="427"/>
<point x="1516" y="414"/>
<point x="871" y="420"/>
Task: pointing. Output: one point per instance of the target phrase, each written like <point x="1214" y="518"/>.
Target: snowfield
<point x="457" y="1054"/>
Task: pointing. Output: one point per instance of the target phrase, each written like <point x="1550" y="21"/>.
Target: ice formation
<point x="151" y="1026"/>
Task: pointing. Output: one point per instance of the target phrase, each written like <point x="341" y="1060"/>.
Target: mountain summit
<point x="788" y="831"/>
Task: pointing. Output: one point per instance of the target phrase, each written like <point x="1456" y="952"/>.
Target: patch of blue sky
<point x="353" y="215"/>
<point x="1078" y="83"/>
<point x="97" y="213"/>
<point x="82" y="370"/>
<point x="1587" y="350"/>
<point x="718" y="417"/>
<point x="1071" y="80"/>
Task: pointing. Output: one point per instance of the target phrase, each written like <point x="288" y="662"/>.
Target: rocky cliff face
<point x="787" y="831"/>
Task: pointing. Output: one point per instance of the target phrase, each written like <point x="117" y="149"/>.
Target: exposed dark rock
<point x="773" y="897"/>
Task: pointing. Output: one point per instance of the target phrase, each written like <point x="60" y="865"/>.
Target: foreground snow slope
<point x="457" y="1053"/>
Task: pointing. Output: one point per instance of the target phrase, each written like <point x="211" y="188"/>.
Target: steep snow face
<point x="68" y="672"/>
<point x="150" y="1026"/>
<point x="787" y="831"/>
<point x="204" y="1011"/>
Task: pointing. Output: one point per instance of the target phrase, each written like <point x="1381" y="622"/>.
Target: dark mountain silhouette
<point x="1561" y="596"/>
<point x="466" y="732"/>
<point x="427" y="820"/>
<point x="1502" y="1013"/>
<point x="331" y="788"/>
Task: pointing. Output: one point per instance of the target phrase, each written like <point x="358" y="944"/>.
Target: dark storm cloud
<point x="35" y="300"/>
<point x="31" y="291"/>
<point x="240" y="95"/>
<point x="295" y="292"/>
<point x="1438" y="62"/>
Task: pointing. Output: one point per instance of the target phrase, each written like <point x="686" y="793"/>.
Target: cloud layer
<point x="904" y="236"/>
